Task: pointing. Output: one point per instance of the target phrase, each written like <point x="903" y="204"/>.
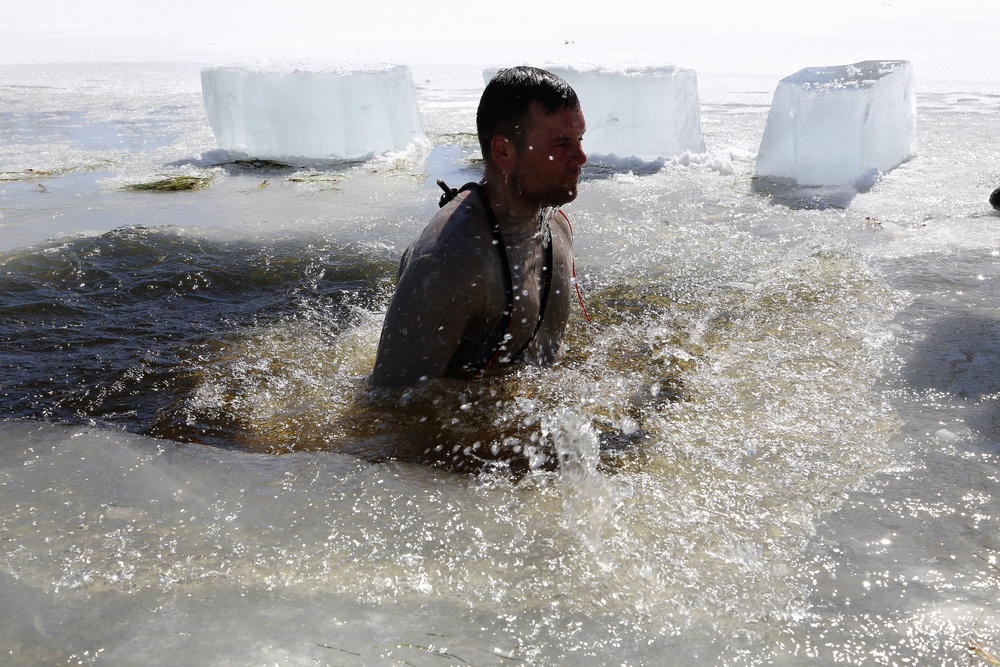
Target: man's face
<point x="549" y="156"/>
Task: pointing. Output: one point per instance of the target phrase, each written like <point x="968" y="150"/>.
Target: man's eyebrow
<point x="568" y="137"/>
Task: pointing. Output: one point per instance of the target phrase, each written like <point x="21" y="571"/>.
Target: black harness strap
<point x="547" y="269"/>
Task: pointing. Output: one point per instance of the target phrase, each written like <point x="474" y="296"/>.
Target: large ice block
<point x="342" y="114"/>
<point x="641" y="112"/>
<point x="835" y="125"/>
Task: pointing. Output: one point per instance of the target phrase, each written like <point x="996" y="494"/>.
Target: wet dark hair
<point x="504" y="105"/>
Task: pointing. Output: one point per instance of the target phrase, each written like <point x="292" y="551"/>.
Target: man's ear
<point x="504" y="151"/>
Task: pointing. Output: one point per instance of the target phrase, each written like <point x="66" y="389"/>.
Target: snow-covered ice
<point x="840" y="125"/>
<point x="312" y="114"/>
<point x="644" y="112"/>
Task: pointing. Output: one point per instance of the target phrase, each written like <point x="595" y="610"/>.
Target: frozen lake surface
<point x="781" y="429"/>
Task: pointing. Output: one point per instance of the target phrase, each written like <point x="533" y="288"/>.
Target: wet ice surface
<point x="823" y="490"/>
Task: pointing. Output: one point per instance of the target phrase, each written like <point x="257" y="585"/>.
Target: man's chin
<point x="565" y="196"/>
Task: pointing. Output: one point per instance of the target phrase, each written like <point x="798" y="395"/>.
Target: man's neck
<point x="503" y="201"/>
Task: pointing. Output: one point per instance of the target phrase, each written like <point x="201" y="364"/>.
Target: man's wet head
<point x="531" y="128"/>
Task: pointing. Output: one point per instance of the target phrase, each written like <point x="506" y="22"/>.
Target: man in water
<point x="489" y="280"/>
